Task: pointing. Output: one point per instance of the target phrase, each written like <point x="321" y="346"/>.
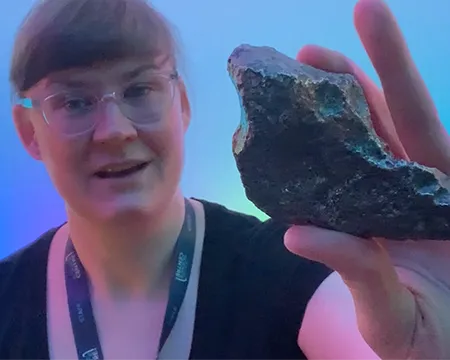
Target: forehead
<point x="109" y="73"/>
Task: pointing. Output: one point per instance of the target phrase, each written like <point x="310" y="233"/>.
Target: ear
<point x="185" y="104"/>
<point x="25" y="130"/>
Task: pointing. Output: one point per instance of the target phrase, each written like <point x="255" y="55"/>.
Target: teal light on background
<point x="208" y="31"/>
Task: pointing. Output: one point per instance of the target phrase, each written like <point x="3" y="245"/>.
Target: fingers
<point x="385" y="309"/>
<point x="407" y="97"/>
<point x="333" y="61"/>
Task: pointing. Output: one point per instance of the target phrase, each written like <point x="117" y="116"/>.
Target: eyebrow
<point x="135" y="72"/>
<point x="129" y="75"/>
<point x="66" y="83"/>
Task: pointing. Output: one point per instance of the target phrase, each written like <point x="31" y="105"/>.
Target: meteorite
<point x="307" y="153"/>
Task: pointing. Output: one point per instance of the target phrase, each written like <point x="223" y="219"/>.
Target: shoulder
<point x="260" y="242"/>
<point x="306" y="304"/>
<point x="24" y="265"/>
<point x="258" y="251"/>
<point x="23" y="277"/>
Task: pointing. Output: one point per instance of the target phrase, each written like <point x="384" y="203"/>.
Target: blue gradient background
<point x="208" y="31"/>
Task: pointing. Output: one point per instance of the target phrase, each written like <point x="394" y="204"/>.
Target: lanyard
<point x="79" y="301"/>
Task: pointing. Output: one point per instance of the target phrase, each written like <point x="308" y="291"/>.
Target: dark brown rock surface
<point x="307" y="154"/>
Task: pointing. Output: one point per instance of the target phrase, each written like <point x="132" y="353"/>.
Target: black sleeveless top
<point x="251" y="299"/>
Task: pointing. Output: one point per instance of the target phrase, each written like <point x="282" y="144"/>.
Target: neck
<point x="128" y="260"/>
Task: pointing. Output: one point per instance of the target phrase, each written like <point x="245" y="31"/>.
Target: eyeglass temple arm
<point x="25" y="102"/>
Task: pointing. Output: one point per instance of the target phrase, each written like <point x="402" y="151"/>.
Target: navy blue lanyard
<point x="79" y="299"/>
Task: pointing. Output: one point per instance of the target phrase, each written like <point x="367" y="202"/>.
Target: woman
<point x="138" y="271"/>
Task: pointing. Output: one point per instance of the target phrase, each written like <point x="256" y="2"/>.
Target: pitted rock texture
<point x="307" y="154"/>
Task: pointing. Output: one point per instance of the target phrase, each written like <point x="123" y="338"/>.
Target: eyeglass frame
<point x="30" y="103"/>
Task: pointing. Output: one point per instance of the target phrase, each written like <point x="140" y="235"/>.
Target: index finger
<point x="412" y="109"/>
<point x="334" y="61"/>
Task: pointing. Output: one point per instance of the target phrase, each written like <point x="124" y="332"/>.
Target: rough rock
<point x="307" y="153"/>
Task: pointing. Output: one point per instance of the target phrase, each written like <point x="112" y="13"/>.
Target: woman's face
<point x="121" y="157"/>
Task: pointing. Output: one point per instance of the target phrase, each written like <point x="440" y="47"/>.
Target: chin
<point x="124" y="202"/>
<point x="126" y="208"/>
<point x="132" y="209"/>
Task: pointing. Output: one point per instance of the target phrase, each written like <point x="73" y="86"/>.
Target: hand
<point x="401" y="290"/>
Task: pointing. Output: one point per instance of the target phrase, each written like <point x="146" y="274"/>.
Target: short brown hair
<point x="62" y="34"/>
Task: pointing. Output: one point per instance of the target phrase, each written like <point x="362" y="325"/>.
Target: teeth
<point x="120" y="168"/>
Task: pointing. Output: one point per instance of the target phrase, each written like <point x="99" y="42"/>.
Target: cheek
<point x="167" y="144"/>
<point x="63" y="160"/>
<point x="167" y="149"/>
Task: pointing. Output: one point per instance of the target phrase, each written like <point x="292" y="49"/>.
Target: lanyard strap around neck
<point x="79" y="299"/>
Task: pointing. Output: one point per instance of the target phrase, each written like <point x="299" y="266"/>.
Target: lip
<point x="120" y="166"/>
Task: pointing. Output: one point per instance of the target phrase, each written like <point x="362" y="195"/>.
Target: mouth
<point x="116" y="173"/>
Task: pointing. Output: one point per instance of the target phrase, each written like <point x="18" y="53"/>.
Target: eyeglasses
<point x="144" y="102"/>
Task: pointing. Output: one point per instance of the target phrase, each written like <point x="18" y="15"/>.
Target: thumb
<point x="385" y="309"/>
<point x="341" y="252"/>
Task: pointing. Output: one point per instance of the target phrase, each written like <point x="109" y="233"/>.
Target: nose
<point x="112" y="126"/>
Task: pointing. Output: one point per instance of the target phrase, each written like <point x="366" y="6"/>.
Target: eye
<point x="71" y="103"/>
<point x="138" y="91"/>
<point x="76" y="104"/>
